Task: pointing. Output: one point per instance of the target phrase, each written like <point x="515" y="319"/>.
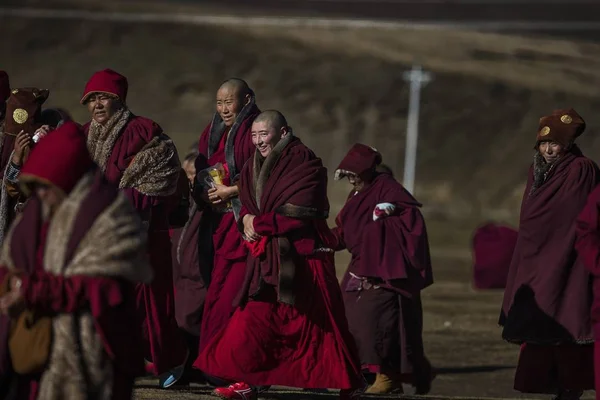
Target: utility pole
<point x="417" y="78"/>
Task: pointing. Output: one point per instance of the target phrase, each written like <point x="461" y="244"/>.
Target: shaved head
<point x="232" y="96"/>
<point x="267" y="130"/>
<point x="272" y="118"/>
<point x="238" y="85"/>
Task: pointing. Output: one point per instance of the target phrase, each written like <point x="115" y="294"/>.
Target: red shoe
<point x="239" y="391"/>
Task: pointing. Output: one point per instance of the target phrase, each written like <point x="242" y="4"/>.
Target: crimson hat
<point x="359" y="160"/>
<point x="24" y="110"/>
<point x="106" y="81"/>
<point x="4" y="87"/>
<point x="562" y="126"/>
<point x="60" y="159"/>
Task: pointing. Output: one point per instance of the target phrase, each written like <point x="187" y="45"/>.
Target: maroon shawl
<point x="394" y="249"/>
<point x="291" y="181"/>
<point x="548" y="293"/>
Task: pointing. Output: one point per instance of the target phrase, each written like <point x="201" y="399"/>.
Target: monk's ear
<point x="284" y="131"/>
<point x="247" y="99"/>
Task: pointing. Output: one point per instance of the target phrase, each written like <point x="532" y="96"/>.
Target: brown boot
<point x="384" y="384"/>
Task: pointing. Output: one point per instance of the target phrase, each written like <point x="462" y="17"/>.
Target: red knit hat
<point x="106" y="81"/>
<point x="59" y="159"/>
<point x="4" y="87"/>
<point x="359" y="160"/>
<point x="562" y="127"/>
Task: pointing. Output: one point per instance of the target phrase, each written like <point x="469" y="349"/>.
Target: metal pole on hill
<point x="417" y="78"/>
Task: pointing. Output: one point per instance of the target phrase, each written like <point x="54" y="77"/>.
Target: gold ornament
<point x="566" y="119"/>
<point x="20" y="116"/>
<point x="545" y="130"/>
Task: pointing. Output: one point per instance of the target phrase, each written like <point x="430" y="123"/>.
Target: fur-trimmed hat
<point x="24" y="110"/>
<point x="106" y="81"/>
<point x="562" y="126"/>
<point x="360" y="159"/>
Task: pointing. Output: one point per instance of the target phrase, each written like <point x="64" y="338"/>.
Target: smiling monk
<point x="135" y="154"/>
<point x="547" y="301"/>
<point x="290" y="328"/>
<point x="211" y="256"/>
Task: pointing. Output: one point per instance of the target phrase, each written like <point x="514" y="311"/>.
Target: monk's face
<point x="265" y="136"/>
<point x="103" y="106"/>
<point x="50" y="196"/>
<point x="551" y="151"/>
<point x="356" y="181"/>
<point x="190" y="169"/>
<point x="229" y="103"/>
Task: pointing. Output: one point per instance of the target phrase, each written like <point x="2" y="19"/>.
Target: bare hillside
<point x="337" y="87"/>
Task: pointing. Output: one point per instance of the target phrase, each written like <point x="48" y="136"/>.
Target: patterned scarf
<point x="102" y="138"/>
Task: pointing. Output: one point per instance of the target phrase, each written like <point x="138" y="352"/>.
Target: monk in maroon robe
<point x="588" y="249"/>
<point x="74" y="255"/>
<point x="211" y="252"/>
<point x="493" y="247"/>
<point x="383" y="229"/>
<point x="289" y="328"/>
<point x="134" y="153"/>
<point x="547" y="301"/>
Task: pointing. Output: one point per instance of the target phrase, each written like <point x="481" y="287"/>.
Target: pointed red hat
<point x="106" y="81"/>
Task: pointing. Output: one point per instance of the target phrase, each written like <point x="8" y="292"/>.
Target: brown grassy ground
<point x="461" y="338"/>
<point x="478" y="124"/>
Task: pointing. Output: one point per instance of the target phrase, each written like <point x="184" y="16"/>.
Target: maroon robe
<point x="588" y="249"/>
<point x="493" y="247"/>
<point x="111" y="301"/>
<point x="392" y="253"/>
<point x="291" y="329"/>
<point x="548" y="293"/>
<point x="155" y="304"/>
<point x="211" y="253"/>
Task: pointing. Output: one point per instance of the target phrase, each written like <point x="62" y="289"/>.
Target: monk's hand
<point x="13" y="302"/>
<point x="249" y="231"/>
<point x="221" y="193"/>
<point x="22" y="143"/>
<point x="383" y="210"/>
<point x="41" y="132"/>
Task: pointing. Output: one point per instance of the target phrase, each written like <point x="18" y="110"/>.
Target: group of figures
<point x="118" y="261"/>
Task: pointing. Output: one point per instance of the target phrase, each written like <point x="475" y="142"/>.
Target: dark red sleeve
<point x="57" y="294"/>
<point x="142" y="203"/>
<point x="587" y="242"/>
<point x="338" y="238"/>
<point x="271" y="223"/>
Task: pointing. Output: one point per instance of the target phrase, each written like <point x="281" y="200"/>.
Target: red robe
<point x="290" y="328"/>
<point x="547" y="299"/>
<point x="588" y="249"/>
<point x="210" y="253"/>
<point x="155" y="305"/>
<point x="392" y="252"/>
<point x="493" y="247"/>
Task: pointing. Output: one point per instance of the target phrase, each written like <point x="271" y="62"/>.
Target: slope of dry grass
<point x="337" y="87"/>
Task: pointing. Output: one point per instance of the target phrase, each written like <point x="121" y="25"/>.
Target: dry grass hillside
<point x="336" y="87"/>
